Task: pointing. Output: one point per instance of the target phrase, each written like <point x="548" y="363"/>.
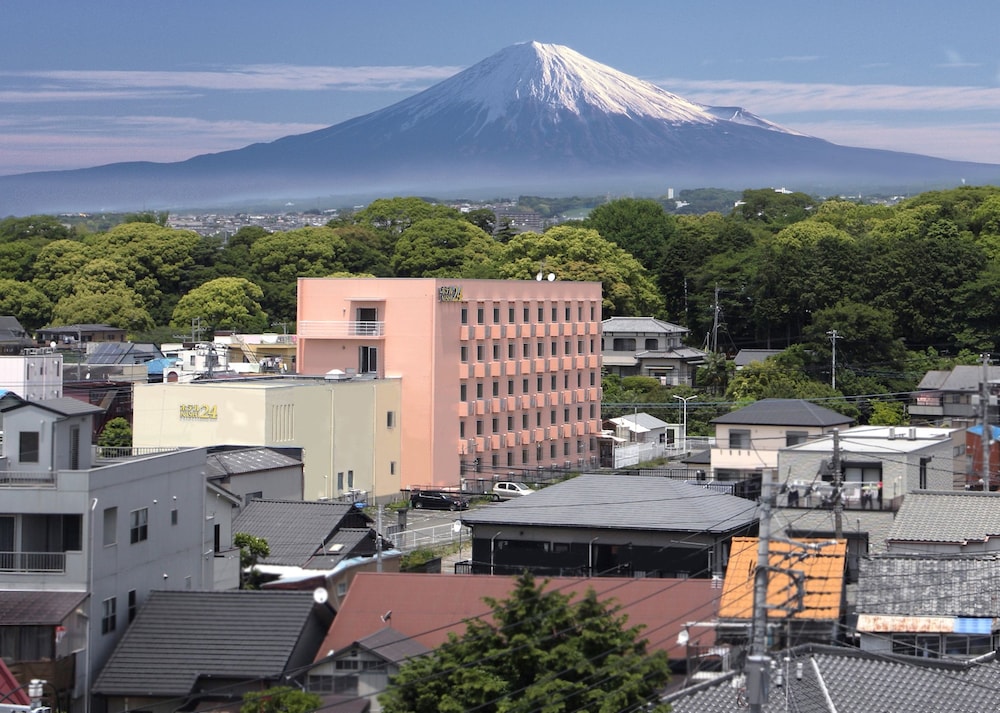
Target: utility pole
<point x="838" y="486"/>
<point x="833" y="371"/>
<point x="758" y="664"/>
<point x="984" y="404"/>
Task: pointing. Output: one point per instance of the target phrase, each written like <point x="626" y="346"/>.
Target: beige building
<point x="348" y="429"/>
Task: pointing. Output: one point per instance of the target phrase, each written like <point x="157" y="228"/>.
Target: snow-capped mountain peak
<point x="556" y="78"/>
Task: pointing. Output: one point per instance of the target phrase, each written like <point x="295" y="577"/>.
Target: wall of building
<point x="439" y="335"/>
<point x="33" y="376"/>
<point x="341" y="426"/>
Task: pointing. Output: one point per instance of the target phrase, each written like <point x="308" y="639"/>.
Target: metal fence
<point x="409" y="540"/>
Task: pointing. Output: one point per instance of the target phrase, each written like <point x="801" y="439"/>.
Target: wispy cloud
<point x="765" y="98"/>
<point x="63" y="85"/>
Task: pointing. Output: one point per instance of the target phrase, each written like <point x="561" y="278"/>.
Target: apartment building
<point x="498" y="376"/>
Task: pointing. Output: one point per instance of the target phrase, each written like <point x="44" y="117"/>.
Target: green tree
<point x="887" y="413"/>
<point x="118" y="307"/>
<point x="573" y="253"/>
<point x="281" y="699"/>
<point x="252" y="550"/>
<point x="57" y="265"/>
<point x="281" y="258"/>
<point x="442" y="247"/>
<point x="26" y="302"/>
<point x="148" y="216"/>
<point x="225" y="303"/>
<point x="638" y="226"/>
<point x="539" y="651"/>
<point x="117" y="433"/>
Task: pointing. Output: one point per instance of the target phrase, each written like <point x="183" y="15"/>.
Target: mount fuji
<point x="532" y="118"/>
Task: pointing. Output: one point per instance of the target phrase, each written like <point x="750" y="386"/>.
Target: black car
<point x="435" y="500"/>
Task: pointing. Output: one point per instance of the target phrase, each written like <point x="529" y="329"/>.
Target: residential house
<point x="83" y="540"/>
<point x="349" y="429"/>
<point x="78" y="337"/>
<point x="932" y="605"/>
<point x="745" y="357"/>
<point x="646" y="346"/>
<point x="190" y="648"/>
<point x="823" y="678"/>
<point x="747" y="440"/>
<point x="389" y="618"/>
<point x="33" y="373"/>
<point x="257" y="473"/>
<point x="951" y="397"/>
<point x="946" y="522"/>
<point x="806" y="595"/>
<point x="13" y="338"/>
<point x="498" y="376"/>
<point x="611" y="525"/>
<point x="644" y="428"/>
<point x="314" y="544"/>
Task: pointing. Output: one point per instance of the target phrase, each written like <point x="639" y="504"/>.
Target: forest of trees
<point x="907" y="287"/>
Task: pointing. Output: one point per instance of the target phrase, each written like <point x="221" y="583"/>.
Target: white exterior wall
<point x="33" y="376"/>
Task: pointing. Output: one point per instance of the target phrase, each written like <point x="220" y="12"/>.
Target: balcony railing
<point x="32" y="561"/>
<point x="27" y="478"/>
<point x="329" y="330"/>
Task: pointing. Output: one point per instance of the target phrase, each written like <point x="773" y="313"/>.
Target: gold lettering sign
<point x="199" y="411"/>
<point x="450" y="294"/>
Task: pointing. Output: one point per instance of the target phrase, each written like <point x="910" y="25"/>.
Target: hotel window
<point x="496" y="352"/>
<point x="510" y="423"/>
<point x="579" y="312"/>
<point x="495" y="423"/>
<point x="465" y="315"/>
<point x="579" y="347"/>
<point x="555" y="313"/>
<point x="496" y="315"/>
<point x="510" y="350"/>
<point x="479" y="390"/>
<point x="579" y="413"/>
<point x="480" y="352"/>
<point x="367" y="360"/>
<point x="138" y="525"/>
<point x="526" y="350"/>
<point x="538" y="419"/>
<point x="524" y="420"/>
<point x="496" y="388"/>
<point x="461" y="429"/>
<point x="525" y="315"/>
<point x="510" y="387"/>
<point x="524" y="455"/>
<point x="510" y="314"/>
<point x="552" y="417"/>
<point x="567" y="348"/>
<point x="552" y="382"/>
<point x="538" y="383"/>
<point x="464" y="351"/>
<point x="555" y="349"/>
<point x="510" y="459"/>
<point x="591" y="312"/>
<point x="109" y="615"/>
<point x="524" y="386"/>
<point x="479" y="426"/>
<point x="541" y="314"/>
<point x="565" y="415"/>
<point x="567" y="313"/>
<point x="479" y="315"/>
<point x="495" y="460"/>
<point x="463" y="393"/>
<point x="540" y="349"/>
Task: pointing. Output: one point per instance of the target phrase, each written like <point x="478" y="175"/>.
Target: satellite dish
<point x="552" y="276"/>
<point x="320" y="595"/>
<point x="539" y="277"/>
<point x="52" y="344"/>
<point x="456" y="526"/>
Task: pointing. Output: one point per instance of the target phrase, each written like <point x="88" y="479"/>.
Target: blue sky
<point x="88" y="83"/>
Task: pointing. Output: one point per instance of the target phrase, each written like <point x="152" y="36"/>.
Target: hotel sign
<point x="200" y="412"/>
<point x="450" y="294"/>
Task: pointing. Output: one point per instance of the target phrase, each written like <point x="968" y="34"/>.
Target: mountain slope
<point x="533" y="118"/>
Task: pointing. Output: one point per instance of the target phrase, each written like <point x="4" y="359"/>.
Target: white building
<point x="33" y="374"/>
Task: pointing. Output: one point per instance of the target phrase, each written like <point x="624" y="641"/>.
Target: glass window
<point x="133" y="606"/>
<point x="793" y="437"/>
<point x="465" y="315"/>
<point x="28" y="447"/>
<point x="479" y="315"/>
<point x="109" y="615"/>
<point x="110" y="526"/>
<point x="464" y="351"/>
<point x="739" y="439"/>
<point x="496" y="315"/>
<point x="138" y="525"/>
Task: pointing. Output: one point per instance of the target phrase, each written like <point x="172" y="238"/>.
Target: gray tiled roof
<point x="929" y="585"/>
<point x="847" y="680"/>
<point x="246" y="460"/>
<point x="294" y="530"/>
<point x="35" y="608"/>
<point x="344" y="543"/>
<point x="963" y="377"/>
<point x="622" y="502"/>
<point x="649" y="325"/>
<point x="784" y="412"/>
<point x="179" y="636"/>
<point x="947" y="517"/>
<point x="393" y="645"/>
<point x="68" y="406"/>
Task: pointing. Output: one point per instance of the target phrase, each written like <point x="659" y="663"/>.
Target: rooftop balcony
<point x="317" y="329"/>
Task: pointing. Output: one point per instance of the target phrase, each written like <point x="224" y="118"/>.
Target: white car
<point x="506" y="490"/>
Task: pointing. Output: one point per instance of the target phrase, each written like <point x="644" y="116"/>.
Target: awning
<point x="37" y="608"/>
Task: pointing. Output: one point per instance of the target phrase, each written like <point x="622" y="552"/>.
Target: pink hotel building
<point x="497" y="376"/>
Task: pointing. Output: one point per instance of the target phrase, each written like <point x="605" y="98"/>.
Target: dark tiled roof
<point x="35" y="608"/>
<point x="180" y="636"/>
<point x="246" y="460"/>
<point x="648" y="325"/>
<point x="847" y="680"/>
<point x="620" y="502"/>
<point x="929" y="585"/>
<point x="294" y="530"/>
<point x="784" y="412"/>
<point x="68" y="406"/>
<point x="346" y="542"/>
<point x="948" y="516"/>
<point x="393" y="645"/>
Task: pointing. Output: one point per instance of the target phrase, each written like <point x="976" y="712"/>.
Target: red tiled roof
<point x="427" y="607"/>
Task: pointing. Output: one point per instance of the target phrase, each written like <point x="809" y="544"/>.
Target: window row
<point x="138" y="525"/>
<point x="495" y="351"/>
<point x="525" y="421"/>
<point x="539" y="454"/>
<point x="541" y="385"/>
<point x="555" y="314"/>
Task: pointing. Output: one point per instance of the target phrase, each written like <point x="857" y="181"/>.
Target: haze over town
<point x="124" y="81"/>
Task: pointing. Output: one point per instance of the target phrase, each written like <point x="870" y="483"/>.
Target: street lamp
<point x="684" y="427"/>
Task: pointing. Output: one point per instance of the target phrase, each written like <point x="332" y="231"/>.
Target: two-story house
<point x="83" y="540"/>
<point x="646" y="346"/>
<point x="951" y="396"/>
